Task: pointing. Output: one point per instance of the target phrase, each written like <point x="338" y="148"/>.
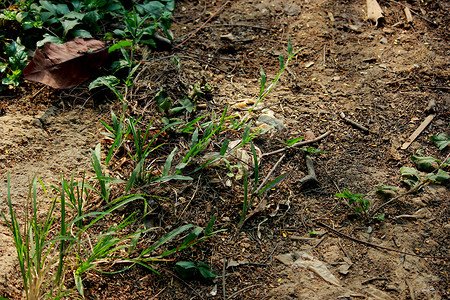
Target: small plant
<point x="263" y="91"/>
<point x="190" y="270"/>
<point x="257" y="191"/>
<point x="17" y="60"/>
<point x="357" y="201"/>
<point x="41" y="266"/>
<point x="434" y="167"/>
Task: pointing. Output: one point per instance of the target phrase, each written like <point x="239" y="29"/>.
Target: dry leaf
<point x="408" y="15"/>
<point x="63" y="66"/>
<point x="306" y="261"/>
<point x="374" y="11"/>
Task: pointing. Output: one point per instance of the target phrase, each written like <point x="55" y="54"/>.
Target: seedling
<point x="357" y="201"/>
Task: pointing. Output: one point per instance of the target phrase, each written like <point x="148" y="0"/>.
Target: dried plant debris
<point x="63" y="66"/>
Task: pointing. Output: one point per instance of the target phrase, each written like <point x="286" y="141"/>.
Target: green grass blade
<point x="168" y="162"/>
<point x="272" y="183"/>
<point x="171" y="235"/>
<point x="256" y="169"/>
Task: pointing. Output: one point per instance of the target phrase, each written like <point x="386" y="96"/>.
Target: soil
<point x="382" y="77"/>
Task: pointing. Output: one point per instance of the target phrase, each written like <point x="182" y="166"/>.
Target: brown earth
<point x="381" y="77"/>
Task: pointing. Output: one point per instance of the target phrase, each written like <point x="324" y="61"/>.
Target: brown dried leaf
<point x="374" y="11"/>
<point x="63" y="66"/>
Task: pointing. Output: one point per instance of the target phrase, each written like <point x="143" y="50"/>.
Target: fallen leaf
<point x="306" y="261"/>
<point x="63" y="66"/>
<point x="374" y="11"/>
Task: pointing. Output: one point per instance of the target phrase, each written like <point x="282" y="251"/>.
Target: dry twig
<point x="356" y="124"/>
<point x="377" y="246"/>
<point x="299" y="144"/>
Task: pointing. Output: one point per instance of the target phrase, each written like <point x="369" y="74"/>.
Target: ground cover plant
<point x="224" y="148"/>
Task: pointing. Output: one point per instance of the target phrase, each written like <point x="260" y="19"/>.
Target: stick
<point x="357" y="125"/>
<point x="223" y="279"/>
<point x="377" y="246"/>
<point x="418" y="131"/>
<point x="299" y="144"/>
<point x="243" y="290"/>
<point x="311" y="177"/>
<point x="320" y="241"/>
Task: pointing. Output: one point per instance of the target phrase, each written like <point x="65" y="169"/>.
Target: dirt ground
<point x="382" y="77"/>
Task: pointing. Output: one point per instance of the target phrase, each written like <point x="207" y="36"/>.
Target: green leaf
<point x="186" y="104"/>
<point x="281" y="59"/>
<point x="68" y="25"/>
<point x="440" y="176"/>
<point x="82" y="33"/>
<point x="290" y="49"/>
<point x="224" y="147"/>
<point x="79" y="283"/>
<point x="17" y="56"/>
<point x="423" y="163"/>
<point x="49" y="39"/>
<point x="205" y="270"/>
<point x="386" y="187"/>
<point x="209" y="227"/>
<point x="273" y="183"/>
<point x="171" y="235"/>
<point x="313" y="150"/>
<point x="163" y="102"/>
<point x="118" y="65"/>
<point x="381" y="217"/>
<point x="120" y="44"/>
<point x="110" y="81"/>
<point x="293" y="141"/>
<point x="411" y="176"/>
<point x="409" y="172"/>
<point x="441" y="140"/>
<point x="168" y="162"/>
<point x="186" y="269"/>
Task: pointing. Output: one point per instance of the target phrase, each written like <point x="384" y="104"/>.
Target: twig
<point x="311" y="177"/>
<point x="299" y="144"/>
<point x="270" y="174"/>
<point x="37" y="93"/>
<point x="271" y="254"/>
<point x="356" y="124"/>
<point x="418" y="131"/>
<point x="157" y="294"/>
<point x="206" y="22"/>
<point x="320" y="241"/>
<point x="243" y="290"/>
<point x="377" y="246"/>
<point x="223" y="278"/>
<point x="343" y="250"/>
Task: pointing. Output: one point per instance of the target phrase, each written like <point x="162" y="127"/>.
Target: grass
<point x="45" y="258"/>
